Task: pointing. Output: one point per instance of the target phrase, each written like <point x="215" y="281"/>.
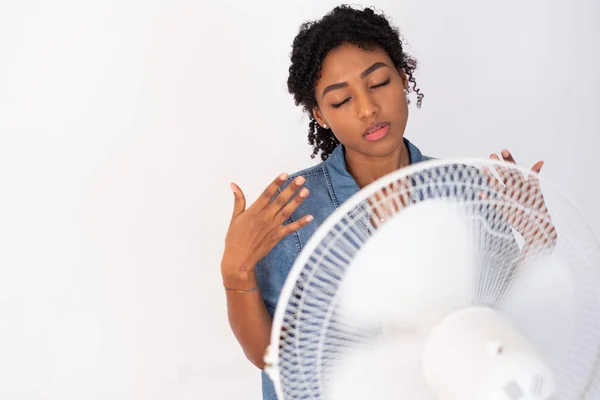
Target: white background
<point x="123" y="122"/>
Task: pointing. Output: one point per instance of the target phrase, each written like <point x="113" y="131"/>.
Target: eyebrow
<point x="363" y="75"/>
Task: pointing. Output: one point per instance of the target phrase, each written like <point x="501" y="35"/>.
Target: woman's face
<point x="360" y="97"/>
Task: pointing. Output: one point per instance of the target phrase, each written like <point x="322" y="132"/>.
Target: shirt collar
<point x="341" y="184"/>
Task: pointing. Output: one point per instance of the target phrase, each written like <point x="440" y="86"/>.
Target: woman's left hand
<point x="527" y="213"/>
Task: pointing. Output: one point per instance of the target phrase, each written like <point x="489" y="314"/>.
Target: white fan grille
<point x="310" y="334"/>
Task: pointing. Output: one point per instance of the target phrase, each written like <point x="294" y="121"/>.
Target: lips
<point x="376" y="131"/>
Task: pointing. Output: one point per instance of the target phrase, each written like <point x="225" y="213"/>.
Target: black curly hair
<point x="344" y="24"/>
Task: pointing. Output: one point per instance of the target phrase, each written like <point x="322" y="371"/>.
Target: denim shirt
<point x="330" y="184"/>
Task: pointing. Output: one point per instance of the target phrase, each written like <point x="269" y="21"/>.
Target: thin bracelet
<point x="241" y="291"/>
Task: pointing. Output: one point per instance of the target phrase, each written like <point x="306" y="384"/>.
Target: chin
<point x="383" y="147"/>
<point x="388" y="144"/>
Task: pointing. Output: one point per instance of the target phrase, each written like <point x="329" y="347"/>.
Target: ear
<point x="319" y="117"/>
<point x="404" y="78"/>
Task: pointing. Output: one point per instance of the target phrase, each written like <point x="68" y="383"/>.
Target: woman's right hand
<point x="253" y="232"/>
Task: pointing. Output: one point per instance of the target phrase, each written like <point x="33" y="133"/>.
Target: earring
<point x="406" y="96"/>
<point x="325" y="126"/>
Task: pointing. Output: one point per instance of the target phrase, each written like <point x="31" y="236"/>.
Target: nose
<point x="367" y="107"/>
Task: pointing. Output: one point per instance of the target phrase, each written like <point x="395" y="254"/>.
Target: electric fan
<point x="447" y="280"/>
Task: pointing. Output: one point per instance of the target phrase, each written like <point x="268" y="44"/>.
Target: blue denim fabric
<point x="330" y="185"/>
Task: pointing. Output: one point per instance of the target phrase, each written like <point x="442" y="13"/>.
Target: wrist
<point x="246" y="283"/>
<point x="238" y="276"/>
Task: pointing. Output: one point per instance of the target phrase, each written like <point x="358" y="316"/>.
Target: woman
<point x="350" y="73"/>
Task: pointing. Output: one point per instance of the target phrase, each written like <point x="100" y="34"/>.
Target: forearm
<point x="248" y="316"/>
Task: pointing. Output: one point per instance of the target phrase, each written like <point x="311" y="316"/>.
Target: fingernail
<point x="300" y="180"/>
<point x="283" y="176"/>
<point x="303" y="192"/>
<point x="232" y="187"/>
<point x="505" y="153"/>
<point x="309" y="218"/>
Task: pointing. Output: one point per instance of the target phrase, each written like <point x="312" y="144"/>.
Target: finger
<point x="537" y="167"/>
<point x="291" y="206"/>
<point x="239" y="203"/>
<point x="267" y="195"/>
<point x="502" y="171"/>
<point x="515" y="174"/>
<point x="284" y="197"/>
<point x="533" y="178"/>
<point x="506" y="156"/>
<point x="294" y="226"/>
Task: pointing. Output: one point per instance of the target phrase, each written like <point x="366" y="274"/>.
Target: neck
<point x="366" y="169"/>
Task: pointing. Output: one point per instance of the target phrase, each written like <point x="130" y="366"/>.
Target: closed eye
<point x="381" y="84"/>
<point x="338" y="105"/>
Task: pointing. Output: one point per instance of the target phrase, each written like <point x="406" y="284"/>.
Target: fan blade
<point x="424" y="277"/>
<point x="387" y="369"/>
<point x="541" y="304"/>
